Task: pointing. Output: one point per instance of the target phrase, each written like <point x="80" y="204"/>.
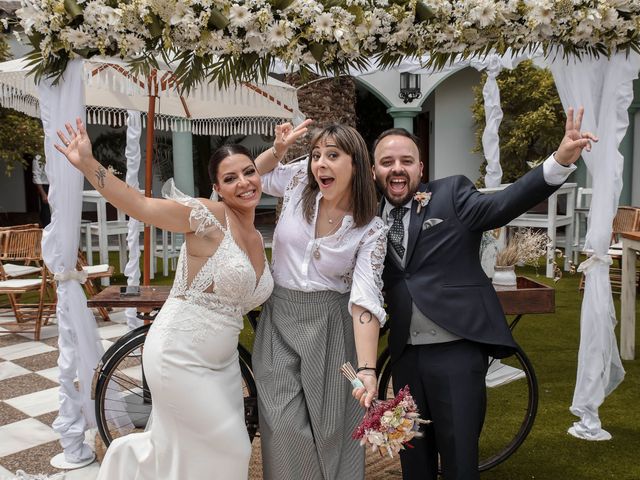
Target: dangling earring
<point x="214" y="196"/>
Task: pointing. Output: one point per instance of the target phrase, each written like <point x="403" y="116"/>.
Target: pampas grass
<point x="526" y="247"/>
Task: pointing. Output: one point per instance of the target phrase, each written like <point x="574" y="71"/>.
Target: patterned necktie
<point x="396" y="232"/>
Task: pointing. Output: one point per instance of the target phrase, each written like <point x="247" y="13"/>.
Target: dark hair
<point x="396" y="131"/>
<point x="363" y="191"/>
<point x="223" y="152"/>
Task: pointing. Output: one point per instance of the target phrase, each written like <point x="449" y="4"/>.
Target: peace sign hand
<point x="77" y="146"/>
<point x="574" y="140"/>
<point x="287" y="135"/>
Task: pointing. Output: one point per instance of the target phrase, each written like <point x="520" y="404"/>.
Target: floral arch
<point x="237" y="40"/>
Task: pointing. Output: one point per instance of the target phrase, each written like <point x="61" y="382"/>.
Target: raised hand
<point x="76" y="146"/>
<point x="287" y="135"/>
<point x="574" y="140"/>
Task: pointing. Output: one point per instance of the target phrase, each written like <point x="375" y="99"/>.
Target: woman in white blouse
<point x="326" y="307"/>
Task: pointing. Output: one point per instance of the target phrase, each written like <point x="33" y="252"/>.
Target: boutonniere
<point x="423" y="199"/>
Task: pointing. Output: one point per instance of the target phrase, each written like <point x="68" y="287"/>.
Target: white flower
<point x="31" y="17"/>
<point x="324" y="24"/>
<point x="541" y="14"/>
<point x="255" y="39"/>
<point x="181" y="11"/>
<point x="582" y="32"/>
<point x="609" y="18"/>
<point x="484" y="14"/>
<point x="77" y="38"/>
<point x="135" y="44"/>
<point x="239" y="16"/>
<point x="280" y="34"/>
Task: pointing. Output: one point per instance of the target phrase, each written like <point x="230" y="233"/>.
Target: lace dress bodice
<point x="224" y="287"/>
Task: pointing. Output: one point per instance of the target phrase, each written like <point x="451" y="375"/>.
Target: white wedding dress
<point x="191" y="365"/>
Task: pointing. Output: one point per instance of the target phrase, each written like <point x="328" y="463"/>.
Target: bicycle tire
<point x="107" y="418"/>
<point x="509" y="442"/>
<point x="110" y="377"/>
<point x="249" y="391"/>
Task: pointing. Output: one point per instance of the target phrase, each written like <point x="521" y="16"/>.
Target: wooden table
<point x="630" y="245"/>
<point x="529" y="297"/>
<point x="151" y="298"/>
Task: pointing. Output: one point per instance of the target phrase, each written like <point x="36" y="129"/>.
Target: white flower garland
<point x="240" y="39"/>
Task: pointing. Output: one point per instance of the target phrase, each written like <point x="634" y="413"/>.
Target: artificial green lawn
<point x="551" y="342"/>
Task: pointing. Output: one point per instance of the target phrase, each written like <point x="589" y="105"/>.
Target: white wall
<point x="635" y="187"/>
<point x="453" y="127"/>
<point x="12" y="193"/>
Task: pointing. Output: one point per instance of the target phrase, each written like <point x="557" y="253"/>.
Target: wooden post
<point x="148" y="258"/>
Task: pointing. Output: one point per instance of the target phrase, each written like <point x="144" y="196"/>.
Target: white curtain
<point x="132" y="153"/>
<point x="78" y="342"/>
<point x="604" y="87"/>
<point x="493" y="118"/>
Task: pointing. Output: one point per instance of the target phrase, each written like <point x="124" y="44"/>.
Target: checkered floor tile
<point x="29" y="399"/>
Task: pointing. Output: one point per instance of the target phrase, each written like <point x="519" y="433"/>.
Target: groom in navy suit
<point x="445" y="316"/>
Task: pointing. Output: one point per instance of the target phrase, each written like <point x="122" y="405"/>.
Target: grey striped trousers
<point x="307" y="413"/>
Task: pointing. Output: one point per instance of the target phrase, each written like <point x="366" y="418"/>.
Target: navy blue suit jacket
<point x="443" y="275"/>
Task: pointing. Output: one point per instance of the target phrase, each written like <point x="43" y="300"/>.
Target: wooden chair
<point x="23" y="247"/>
<point x="627" y="219"/>
<point x="94" y="272"/>
<point x="13" y="270"/>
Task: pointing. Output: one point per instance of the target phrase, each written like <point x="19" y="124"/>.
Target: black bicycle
<point x="123" y="401"/>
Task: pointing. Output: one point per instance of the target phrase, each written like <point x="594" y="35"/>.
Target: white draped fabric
<point x="604" y="87"/>
<point x="78" y="342"/>
<point x="493" y="118"/>
<point x="132" y="153"/>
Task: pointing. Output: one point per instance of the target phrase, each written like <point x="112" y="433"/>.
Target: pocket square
<point x="432" y="222"/>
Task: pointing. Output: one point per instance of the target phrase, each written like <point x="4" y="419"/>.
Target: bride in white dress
<point x="190" y="355"/>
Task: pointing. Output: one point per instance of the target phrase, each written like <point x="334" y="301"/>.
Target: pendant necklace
<point x="318" y="240"/>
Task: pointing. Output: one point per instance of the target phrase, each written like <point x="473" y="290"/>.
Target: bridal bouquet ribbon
<point x="388" y="425"/>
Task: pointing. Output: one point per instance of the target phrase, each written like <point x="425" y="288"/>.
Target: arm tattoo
<point x="101" y="174"/>
<point x="365" y="317"/>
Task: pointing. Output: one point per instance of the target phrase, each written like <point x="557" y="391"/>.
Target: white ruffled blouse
<point x="350" y="259"/>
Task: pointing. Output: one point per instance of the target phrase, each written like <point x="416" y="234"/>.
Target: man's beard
<point x="398" y="201"/>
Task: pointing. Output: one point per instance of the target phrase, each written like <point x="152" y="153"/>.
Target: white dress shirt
<point x="39" y="175"/>
<point x="350" y="259"/>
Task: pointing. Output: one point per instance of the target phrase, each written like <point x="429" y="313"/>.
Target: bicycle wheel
<point x="512" y="403"/>
<point x="249" y="391"/>
<point x="123" y="401"/>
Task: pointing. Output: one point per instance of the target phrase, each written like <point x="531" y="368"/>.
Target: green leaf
<point x="423" y="12"/>
<point x="34" y="39"/>
<point x="72" y="8"/>
<point x="217" y="19"/>
<point x="281" y="4"/>
<point x="155" y="26"/>
<point x="317" y="50"/>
